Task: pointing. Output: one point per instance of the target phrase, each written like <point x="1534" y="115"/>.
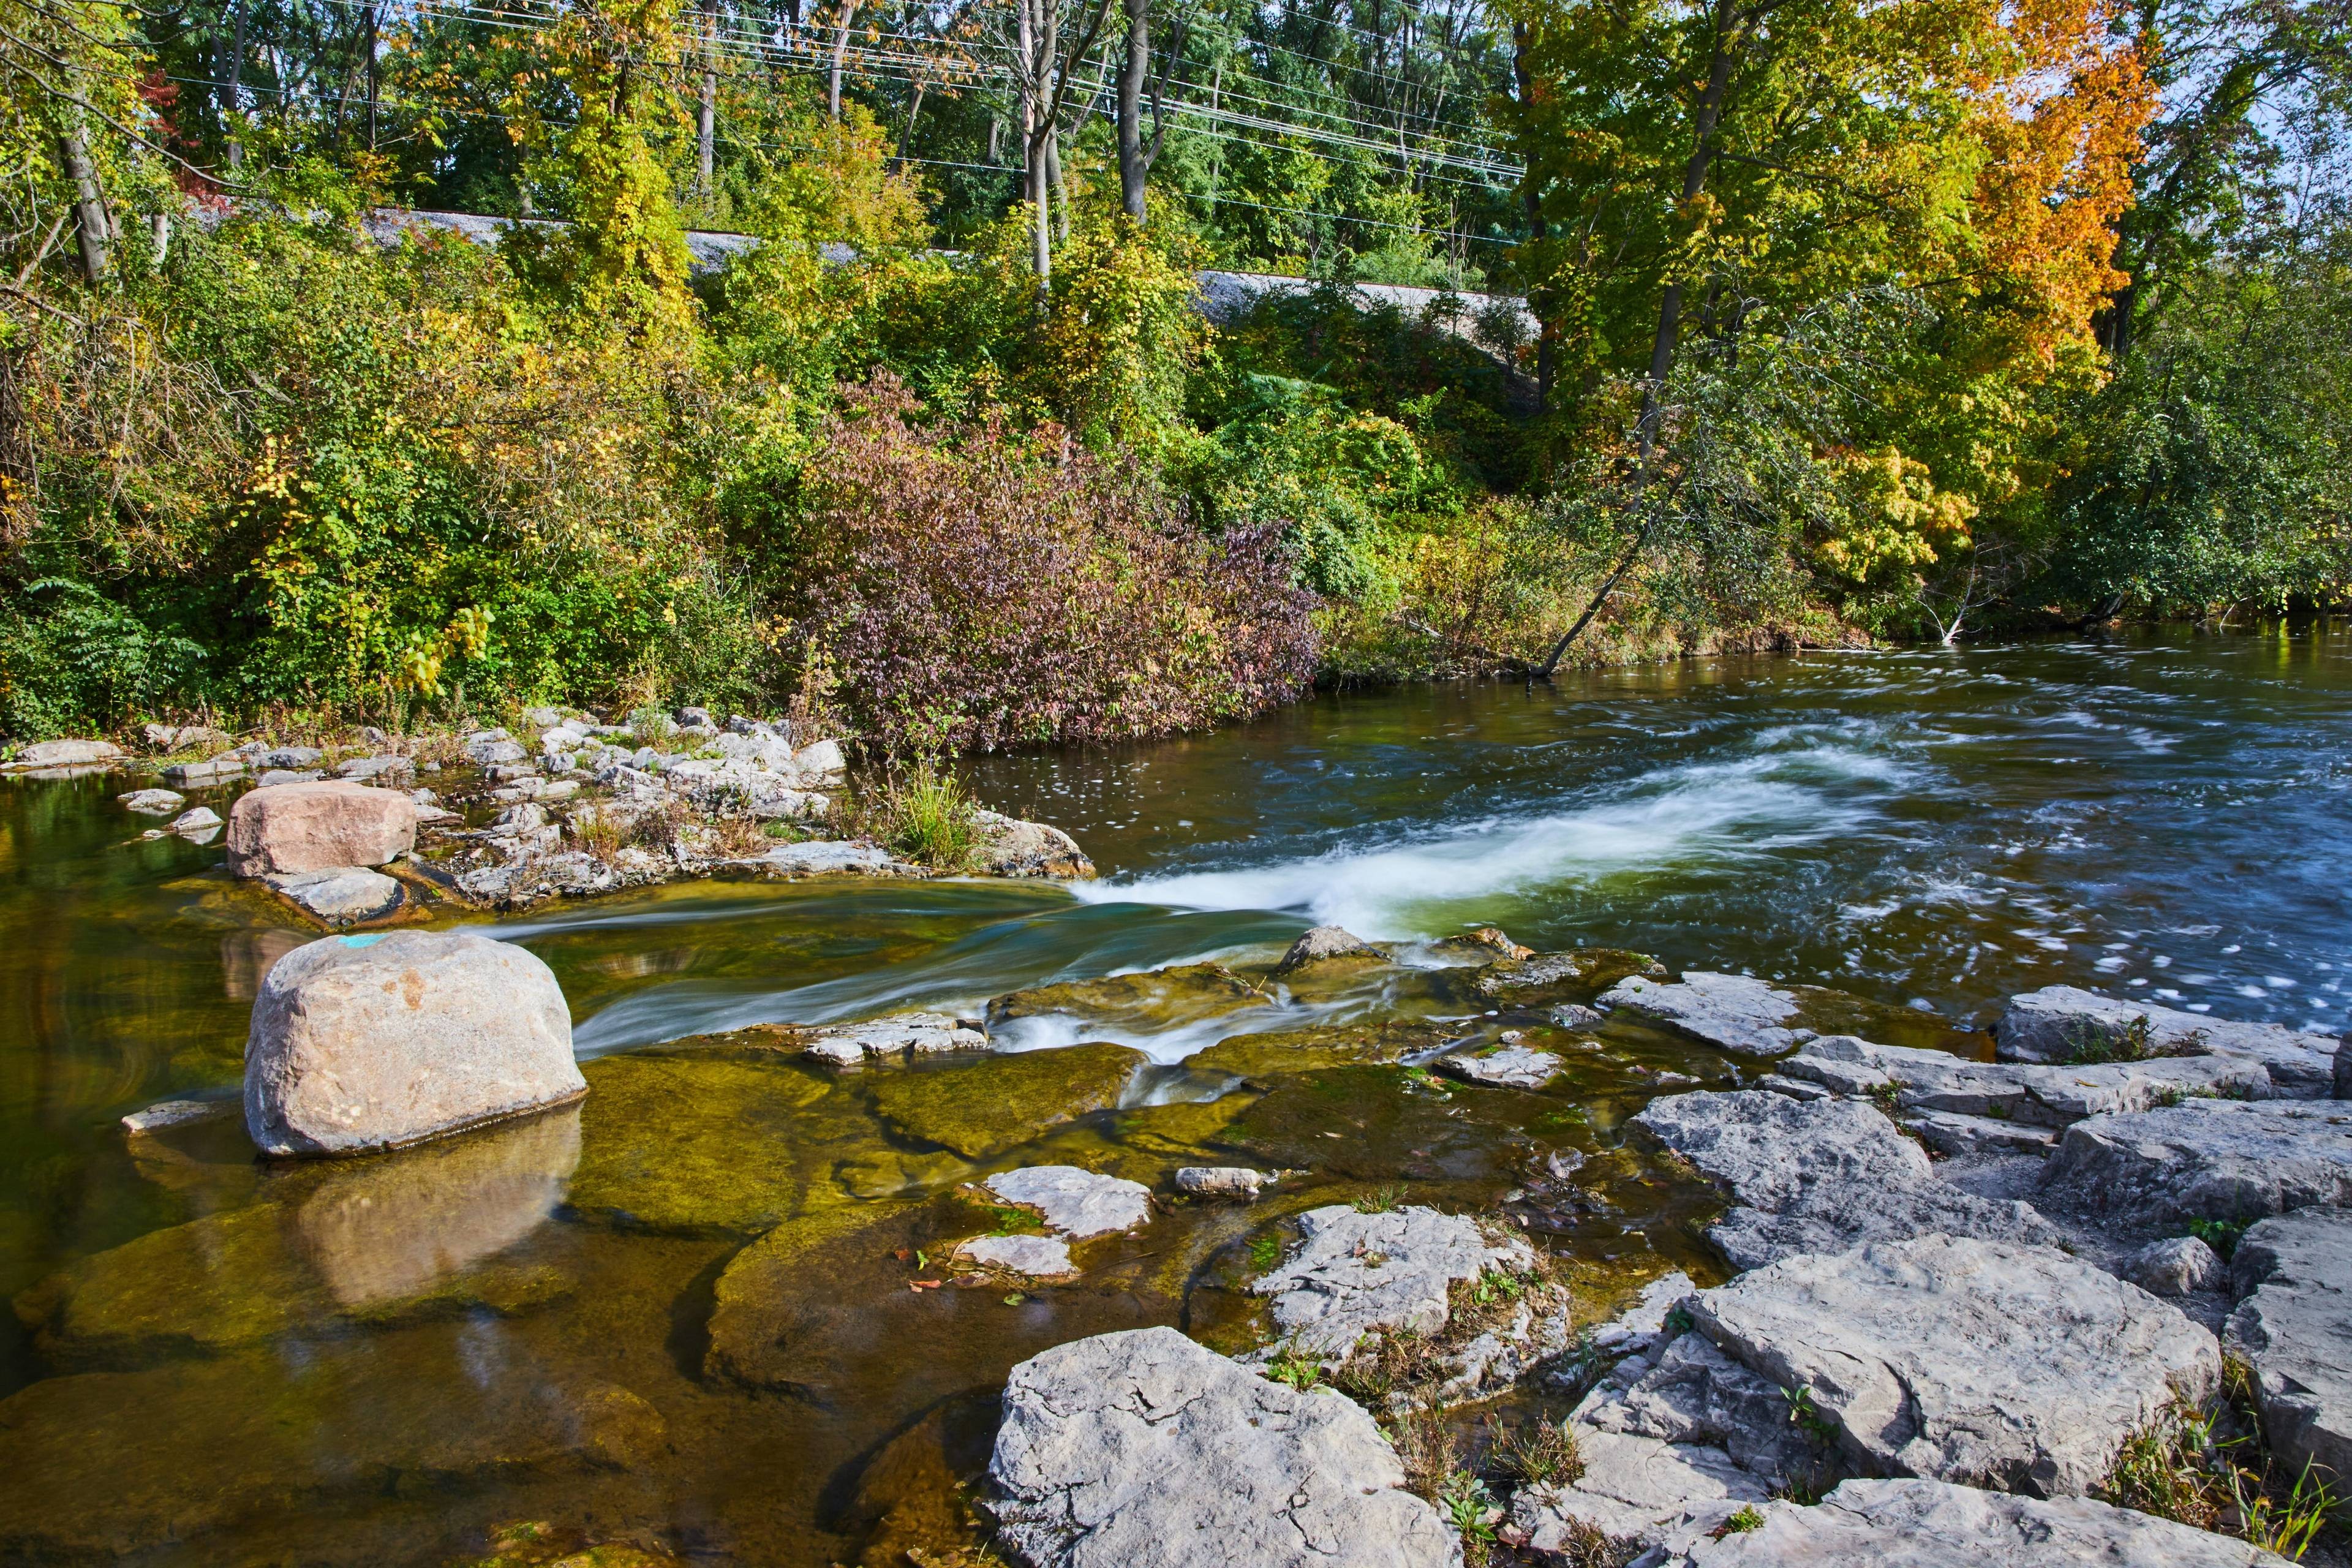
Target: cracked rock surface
<point x="1356" y="1274"/>
<point x="2208" y="1159"/>
<point x="1142" y="1449"/>
<point x="1737" y="1012"/>
<point x="2057" y="1022"/>
<point x="2293" y="1326"/>
<point x="1076" y="1203"/>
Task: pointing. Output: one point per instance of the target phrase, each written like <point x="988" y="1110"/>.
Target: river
<point x="390" y="1363"/>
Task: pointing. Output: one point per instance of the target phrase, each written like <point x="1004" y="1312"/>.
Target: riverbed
<point x="514" y="1344"/>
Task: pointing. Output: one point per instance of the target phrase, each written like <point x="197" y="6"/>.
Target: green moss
<point x="1301" y="1050"/>
<point x="981" y="1108"/>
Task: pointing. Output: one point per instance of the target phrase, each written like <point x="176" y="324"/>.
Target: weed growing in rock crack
<point x="2206" y="1465"/>
<point x="1748" y="1517"/>
<point x="1385" y="1199"/>
<point x="2220" y="1235"/>
<point x="737" y="837"/>
<point x="1584" y="1544"/>
<point x="2165" y="1098"/>
<point x="1466" y="1503"/>
<point x="1678" y="1321"/>
<point x="1534" y="1452"/>
<point x="1009" y="1221"/>
<point x="1888" y="1097"/>
<point x="1266" y="1251"/>
<point x="923" y="814"/>
<point x="1384" y="1364"/>
<point x="1427" y="1447"/>
<point x="1808" y="1416"/>
<point x="1293" y="1364"/>
<point x="599" y="830"/>
<point x="2090" y="1045"/>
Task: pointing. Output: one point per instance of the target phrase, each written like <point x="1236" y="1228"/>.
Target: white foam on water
<point x="1724" y="812"/>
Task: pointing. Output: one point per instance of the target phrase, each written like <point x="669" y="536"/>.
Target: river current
<point x="2166" y="816"/>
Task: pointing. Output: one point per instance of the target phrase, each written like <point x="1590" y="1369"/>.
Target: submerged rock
<point x="1142" y="1449"/>
<point x="1356" y="1274"/>
<point x="1821" y="1176"/>
<point x="2205" y="1159"/>
<point x="898" y="1035"/>
<point x="2064" y="1024"/>
<point x="1737" y="1012"/>
<point x="365" y="1043"/>
<point x="1151" y="1002"/>
<point x="1327" y="944"/>
<point x="1296" y="1050"/>
<point x="104" y="1465"/>
<point x="2293" y="1327"/>
<point x="1009" y="846"/>
<point x="2015" y="1368"/>
<point x="1916" y="1523"/>
<point x="318" y="827"/>
<point x="978" y="1109"/>
<point x="341" y="896"/>
<point x="1536" y="980"/>
<point x="1037" y="1257"/>
<point x="1076" y="1203"/>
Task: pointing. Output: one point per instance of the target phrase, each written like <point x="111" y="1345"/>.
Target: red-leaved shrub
<point x="976" y="587"/>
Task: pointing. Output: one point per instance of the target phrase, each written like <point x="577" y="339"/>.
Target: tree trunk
<point x="1670" y="305"/>
<point x="1600" y="598"/>
<point x="1531" y="194"/>
<point x="1132" y="165"/>
<point x="840" y="53"/>
<point x="1035" y="63"/>
<point x="1061" y="190"/>
<point x="89" y="200"/>
<point x="231" y="79"/>
<point x="706" y="121"/>
<point x="374" y="77"/>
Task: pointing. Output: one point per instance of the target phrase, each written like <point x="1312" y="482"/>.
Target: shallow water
<point x="574" y="1323"/>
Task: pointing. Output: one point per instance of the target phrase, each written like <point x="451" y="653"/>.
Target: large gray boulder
<point x="1142" y="1449"/>
<point x="317" y="826"/>
<point x="65" y="754"/>
<point x="1356" y="1274"/>
<point x="2064" y="1024"/>
<point x="1821" y="1176"/>
<point x="2013" y="1368"/>
<point x="1914" y="1523"/>
<point x="2205" y="1159"/>
<point x="1737" y="1012"/>
<point x="2035" y="1093"/>
<point x="371" y="1042"/>
<point x="2293" y="1327"/>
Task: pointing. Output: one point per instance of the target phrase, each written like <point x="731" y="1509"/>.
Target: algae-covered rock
<point x="1327" y="945"/>
<point x="709" y="1145"/>
<point x="778" y="1291"/>
<point x="1152" y="1001"/>
<point x="107" y="1464"/>
<point x="392" y="1239"/>
<point x="1379" y="1124"/>
<point x="1544" y="979"/>
<point x="981" y="1108"/>
<point x="1297" y="1050"/>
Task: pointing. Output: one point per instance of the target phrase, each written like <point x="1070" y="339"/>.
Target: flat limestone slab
<point x="1821" y="1176"/>
<point x="1356" y="1274"/>
<point x="2294" y="1327"/>
<point x="1513" y="1067"/>
<point x="2016" y="1368"/>
<point x="2057" y="1022"/>
<point x="2032" y="1093"/>
<point x="1143" y="1450"/>
<point x="1634" y="1488"/>
<point x="1915" y="1523"/>
<point x="2206" y="1158"/>
<point x="340" y="896"/>
<point x="899" y="1033"/>
<point x="1076" y="1203"/>
<point x="1737" y="1012"/>
<point x="1029" y="1256"/>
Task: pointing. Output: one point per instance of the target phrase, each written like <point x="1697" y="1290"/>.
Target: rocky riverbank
<point x="563" y="806"/>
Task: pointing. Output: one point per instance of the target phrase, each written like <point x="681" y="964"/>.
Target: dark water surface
<point x="392" y="1360"/>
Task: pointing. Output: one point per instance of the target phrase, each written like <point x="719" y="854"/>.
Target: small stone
<point x="293" y="757"/>
<point x="1142" y="1449"/>
<point x="1078" y="1203"/>
<point x="390" y="768"/>
<point x="1236" y="1181"/>
<point x="821" y="763"/>
<point x="1030" y="1256"/>
<point x="2175" y="1267"/>
<point x="1513" y="1067"/>
<point x="215" y="771"/>
<point x="196" y="819"/>
<point x="175" y="1113"/>
<point x="1488" y="939"/>
<point x="153" y="802"/>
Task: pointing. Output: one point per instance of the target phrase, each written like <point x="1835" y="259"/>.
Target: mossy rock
<point x="982" y="1107"/>
<point x="1148" y="1003"/>
<point x="774" y="1293"/>
<point x="703" y="1143"/>
<point x="104" y="1465"/>
<point x="1547" y="978"/>
<point x="1259" y="1057"/>
<point x="1378" y="1125"/>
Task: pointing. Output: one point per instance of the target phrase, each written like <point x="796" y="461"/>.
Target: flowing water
<point x="682" y="1315"/>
